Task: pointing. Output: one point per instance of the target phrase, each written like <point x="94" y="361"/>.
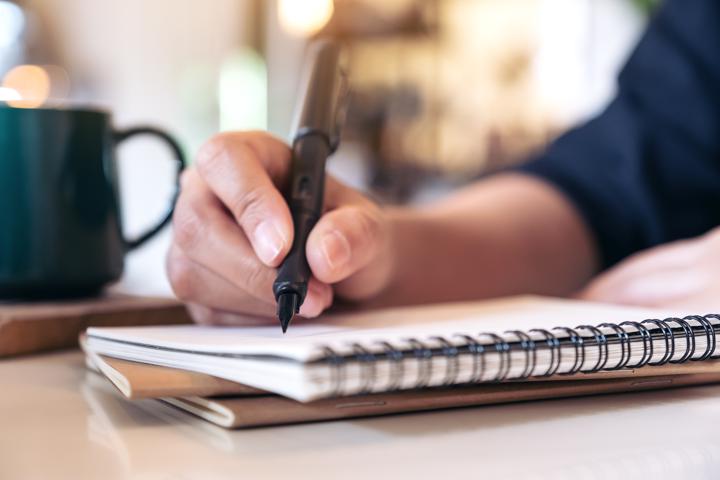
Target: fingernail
<point x="336" y="249"/>
<point x="269" y="241"/>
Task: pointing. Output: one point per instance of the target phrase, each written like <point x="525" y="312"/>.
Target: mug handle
<point x="179" y="158"/>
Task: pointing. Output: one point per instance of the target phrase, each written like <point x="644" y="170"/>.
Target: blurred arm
<point x="510" y="234"/>
<point x="644" y="172"/>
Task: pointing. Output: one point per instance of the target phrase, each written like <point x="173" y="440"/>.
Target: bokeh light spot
<point x="31" y="82"/>
<point x="304" y="17"/>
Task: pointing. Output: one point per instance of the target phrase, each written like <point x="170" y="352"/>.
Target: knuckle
<point x="253" y="277"/>
<point x="188" y="227"/>
<point x="181" y="275"/>
<point x="248" y="203"/>
<point x="273" y="153"/>
<point x="212" y="152"/>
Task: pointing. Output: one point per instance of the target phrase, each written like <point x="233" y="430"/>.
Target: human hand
<point x="232" y="228"/>
<point x="683" y="275"/>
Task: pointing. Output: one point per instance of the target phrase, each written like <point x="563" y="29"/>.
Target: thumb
<point x="345" y="241"/>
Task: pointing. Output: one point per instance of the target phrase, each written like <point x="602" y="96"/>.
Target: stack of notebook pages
<point x="407" y="359"/>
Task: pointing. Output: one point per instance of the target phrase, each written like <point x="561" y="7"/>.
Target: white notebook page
<point x="304" y="339"/>
<point x="263" y="357"/>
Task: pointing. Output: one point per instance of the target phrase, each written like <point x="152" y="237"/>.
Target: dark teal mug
<point x="60" y="226"/>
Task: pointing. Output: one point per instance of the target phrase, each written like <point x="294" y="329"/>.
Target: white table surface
<point x="59" y="421"/>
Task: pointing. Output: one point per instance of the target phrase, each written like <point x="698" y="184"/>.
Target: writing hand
<point x="232" y="228"/>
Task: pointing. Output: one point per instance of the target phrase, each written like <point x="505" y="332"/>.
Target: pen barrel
<point x="305" y="200"/>
<point x="324" y="90"/>
<point x="294" y="273"/>
<point x="307" y="176"/>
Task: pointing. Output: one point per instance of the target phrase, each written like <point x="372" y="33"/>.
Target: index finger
<point x="244" y="170"/>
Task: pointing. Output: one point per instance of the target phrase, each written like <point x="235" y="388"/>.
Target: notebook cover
<point x="40" y="326"/>
<point x="435" y="333"/>
<point x="140" y="380"/>
<point x="244" y="412"/>
<point x="232" y="405"/>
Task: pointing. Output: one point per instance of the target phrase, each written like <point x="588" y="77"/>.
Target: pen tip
<point x="288" y="305"/>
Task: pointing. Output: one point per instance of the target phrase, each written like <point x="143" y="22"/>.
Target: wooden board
<point x="41" y="326"/>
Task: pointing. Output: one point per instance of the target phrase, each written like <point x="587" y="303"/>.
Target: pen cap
<point x="322" y="92"/>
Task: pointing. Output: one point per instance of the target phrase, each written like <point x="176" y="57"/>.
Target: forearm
<point x="510" y="234"/>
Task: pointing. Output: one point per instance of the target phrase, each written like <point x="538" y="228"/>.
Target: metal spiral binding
<point x="647" y="350"/>
<point x="553" y="345"/>
<point x="577" y="341"/>
<point x="424" y="355"/>
<point x="367" y="361"/>
<point x="478" y="352"/>
<point x="624" y="340"/>
<point x="528" y="346"/>
<point x="450" y="352"/>
<point x="712" y="327"/>
<point x="603" y="348"/>
<point x="689" y="340"/>
<point x="669" y="340"/>
<point x="503" y="350"/>
<point x="709" y="335"/>
<point x="337" y="361"/>
<point x="628" y="335"/>
<point x="397" y="370"/>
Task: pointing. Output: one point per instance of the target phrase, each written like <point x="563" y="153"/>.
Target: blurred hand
<point x="683" y="274"/>
<point x="232" y="228"/>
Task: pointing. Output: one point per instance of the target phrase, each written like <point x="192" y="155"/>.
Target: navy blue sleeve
<point x="647" y="170"/>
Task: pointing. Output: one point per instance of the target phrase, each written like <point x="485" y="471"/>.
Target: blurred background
<point x="443" y="91"/>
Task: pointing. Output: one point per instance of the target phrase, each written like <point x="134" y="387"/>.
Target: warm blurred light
<point x="12" y="22"/>
<point x="8" y="94"/>
<point x="31" y="82"/>
<point x="304" y="17"/>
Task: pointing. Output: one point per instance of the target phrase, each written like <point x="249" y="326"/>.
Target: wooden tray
<point x="40" y="326"/>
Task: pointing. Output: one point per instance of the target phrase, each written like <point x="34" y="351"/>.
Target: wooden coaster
<point x="40" y="326"/>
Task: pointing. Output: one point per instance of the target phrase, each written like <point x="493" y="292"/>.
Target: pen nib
<point x="288" y="306"/>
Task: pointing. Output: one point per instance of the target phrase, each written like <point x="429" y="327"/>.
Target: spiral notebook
<point x="232" y="405"/>
<point x="417" y="347"/>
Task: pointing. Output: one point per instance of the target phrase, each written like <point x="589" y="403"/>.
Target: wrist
<point x="402" y="242"/>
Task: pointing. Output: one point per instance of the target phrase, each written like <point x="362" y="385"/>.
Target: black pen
<point x="318" y="117"/>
